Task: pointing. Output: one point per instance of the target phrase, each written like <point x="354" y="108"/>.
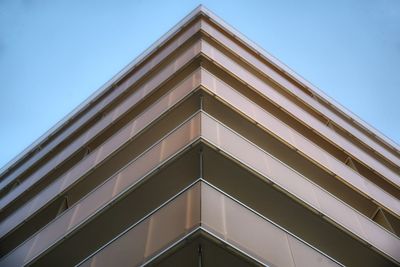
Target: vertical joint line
<point x="201" y="162"/>
<point x="200" y="256"/>
<point x="201" y="102"/>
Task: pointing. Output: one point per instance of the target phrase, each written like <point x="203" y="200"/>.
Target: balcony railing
<point x="203" y="207"/>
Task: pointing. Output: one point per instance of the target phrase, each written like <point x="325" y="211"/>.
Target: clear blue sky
<point x="54" y="54"/>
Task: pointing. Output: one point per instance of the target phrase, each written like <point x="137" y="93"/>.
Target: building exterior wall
<point x="205" y="150"/>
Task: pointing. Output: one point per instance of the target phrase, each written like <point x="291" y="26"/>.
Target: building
<point x="204" y="151"/>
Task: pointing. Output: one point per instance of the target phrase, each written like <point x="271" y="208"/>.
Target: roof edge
<point x="164" y="38"/>
<point x="295" y="76"/>
<point x="104" y="88"/>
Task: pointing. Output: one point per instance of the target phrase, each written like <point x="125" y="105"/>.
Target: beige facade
<point x="204" y="151"/>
